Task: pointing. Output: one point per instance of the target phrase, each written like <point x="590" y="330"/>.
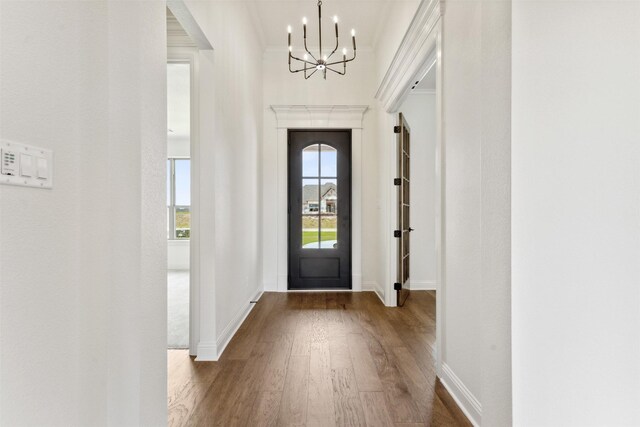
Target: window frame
<point x="172" y="207"/>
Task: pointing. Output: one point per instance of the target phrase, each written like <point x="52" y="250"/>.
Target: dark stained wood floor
<point x="319" y="359"/>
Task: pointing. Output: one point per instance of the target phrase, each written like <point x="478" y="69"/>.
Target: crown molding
<point x="415" y="47"/>
<point x="320" y="116"/>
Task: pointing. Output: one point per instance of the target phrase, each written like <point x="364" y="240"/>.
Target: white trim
<point x="417" y="43"/>
<point x="207" y="352"/>
<point x="190" y="56"/>
<point x="189" y="24"/>
<point x="375" y="288"/>
<point x="319" y="117"/>
<point x="423" y="285"/>
<point x="423" y="92"/>
<point x="230" y="330"/>
<point x="467" y="402"/>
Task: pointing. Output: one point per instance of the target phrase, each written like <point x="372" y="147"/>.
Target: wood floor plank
<point x="293" y="406"/>
<point x="403" y="407"/>
<point x="363" y="365"/>
<point x="302" y="335"/>
<point x="320" y="406"/>
<point x="264" y="412"/>
<point x="320" y="359"/>
<point x="185" y="403"/>
<point x="276" y="369"/>
<point x="220" y="396"/>
<point x="375" y="409"/>
<point x="249" y="385"/>
<point x="445" y="408"/>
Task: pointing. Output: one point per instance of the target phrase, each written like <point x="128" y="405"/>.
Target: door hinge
<point x="397" y="181"/>
<point x="397" y="233"/>
<point x="396" y="129"/>
<point x="397" y="286"/>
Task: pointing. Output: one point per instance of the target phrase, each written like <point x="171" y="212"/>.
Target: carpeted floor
<point x="178" y="308"/>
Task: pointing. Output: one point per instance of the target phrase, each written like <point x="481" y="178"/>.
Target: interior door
<point x="319" y="209"/>
<point x="403" y="232"/>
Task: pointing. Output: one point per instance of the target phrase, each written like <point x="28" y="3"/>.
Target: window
<point x="319" y="197"/>
<point x="178" y="198"/>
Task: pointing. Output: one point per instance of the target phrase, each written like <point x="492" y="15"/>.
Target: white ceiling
<point x="366" y="17"/>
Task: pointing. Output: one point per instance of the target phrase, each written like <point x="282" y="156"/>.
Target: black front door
<point x="319" y="209"/>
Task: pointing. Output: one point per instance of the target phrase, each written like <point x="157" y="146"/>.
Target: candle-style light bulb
<point x="304" y="21"/>
<point x="353" y="39"/>
<point x="353" y="33"/>
<point x="344" y="51"/>
<point x="306" y="56"/>
<point x="335" y="19"/>
<point x="289" y="29"/>
<point x="290" y="48"/>
<point x="324" y="58"/>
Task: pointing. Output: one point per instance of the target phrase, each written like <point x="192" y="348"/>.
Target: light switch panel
<point x="9" y="162"/>
<point x="43" y="168"/>
<point x="25" y="165"/>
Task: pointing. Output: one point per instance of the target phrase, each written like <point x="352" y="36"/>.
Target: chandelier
<point x="309" y="63"/>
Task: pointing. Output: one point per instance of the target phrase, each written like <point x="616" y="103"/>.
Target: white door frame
<point x="319" y="117"/>
<point x="190" y="56"/>
<point x="419" y="51"/>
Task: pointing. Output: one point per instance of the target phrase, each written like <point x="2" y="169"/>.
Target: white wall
<point x="398" y="17"/>
<point x="83" y="320"/>
<point x="463" y="139"/>
<point x="576" y="235"/>
<point x="356" y="88"/>
<point x="420" y="111"/>
<point x="230" y="155"/>
<point x="476" y="332"/>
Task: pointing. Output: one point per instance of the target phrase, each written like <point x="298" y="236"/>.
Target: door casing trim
<point x="318" y="117"/>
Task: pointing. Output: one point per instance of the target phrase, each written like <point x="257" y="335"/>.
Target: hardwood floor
<point x="319" y="359"/>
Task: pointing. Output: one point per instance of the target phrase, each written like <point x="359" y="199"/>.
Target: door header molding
<point x="320" y="116"/>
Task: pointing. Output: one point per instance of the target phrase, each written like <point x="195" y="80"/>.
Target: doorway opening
<point x="178" y="202"/>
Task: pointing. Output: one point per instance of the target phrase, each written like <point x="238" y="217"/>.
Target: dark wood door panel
<point x="319" y="209"/>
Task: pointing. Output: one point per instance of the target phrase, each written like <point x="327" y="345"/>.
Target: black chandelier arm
<point x="301" y="69"/>
<point x="306" y="48"/>
<point x="307" y="76"/>
<point x="302" y="60"/>
<point x="338" y="72"/>
<point x="337" y="44"/>
<point x="343" y="61"/>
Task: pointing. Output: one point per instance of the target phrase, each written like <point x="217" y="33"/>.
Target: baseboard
<point x="234" y="325"/>
<point x="207" y="352"/>
<point x="423" y="285"/>
<point x="467" y="402"/>
<point x="373" y="287"/>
